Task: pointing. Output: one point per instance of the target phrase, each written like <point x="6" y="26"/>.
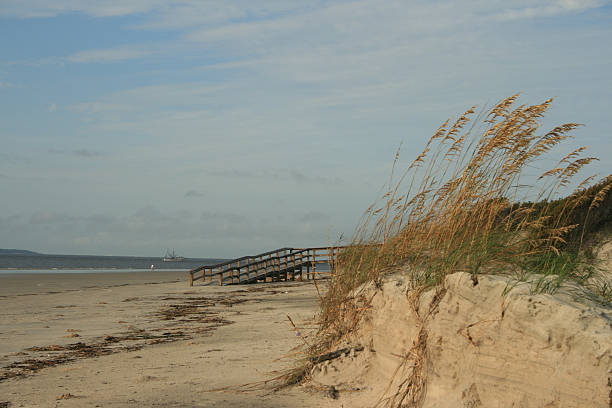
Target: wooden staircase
<point x="272" y="266"/>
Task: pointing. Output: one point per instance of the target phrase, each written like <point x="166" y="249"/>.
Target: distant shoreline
<point x="4" y="251"/>
<point x="52" y="264"/>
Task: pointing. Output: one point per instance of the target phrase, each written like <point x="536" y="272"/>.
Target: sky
<point x="226" y="128"/>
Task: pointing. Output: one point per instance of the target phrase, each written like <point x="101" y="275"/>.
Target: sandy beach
<point x="142" y="339"/>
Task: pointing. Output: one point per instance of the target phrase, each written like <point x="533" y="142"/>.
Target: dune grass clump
<point x="469" y="203"/>
<point x="459" y="206"/>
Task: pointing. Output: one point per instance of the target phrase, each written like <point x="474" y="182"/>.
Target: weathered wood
<point x="282" y="264"/>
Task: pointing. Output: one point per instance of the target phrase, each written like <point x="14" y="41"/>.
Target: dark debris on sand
<point x="194" y="311"/>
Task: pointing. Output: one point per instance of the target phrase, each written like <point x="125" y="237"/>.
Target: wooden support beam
<point x="281" y="264"/>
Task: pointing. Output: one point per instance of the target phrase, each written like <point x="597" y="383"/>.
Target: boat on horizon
<point x="172" y="257"/>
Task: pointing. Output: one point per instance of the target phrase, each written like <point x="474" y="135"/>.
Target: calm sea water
<point x="94" y="264"/>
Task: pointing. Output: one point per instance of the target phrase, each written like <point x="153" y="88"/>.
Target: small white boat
<point x="172" y="257"/>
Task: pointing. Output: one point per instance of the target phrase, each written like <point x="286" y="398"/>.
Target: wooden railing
<point x="280" y="264"/>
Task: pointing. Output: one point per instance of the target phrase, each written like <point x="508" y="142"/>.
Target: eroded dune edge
<point x="473" y="345"/>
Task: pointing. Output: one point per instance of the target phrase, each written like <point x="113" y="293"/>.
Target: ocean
<point x="94" y="264"/>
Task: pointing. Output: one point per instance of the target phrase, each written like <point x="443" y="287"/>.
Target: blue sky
<point x="222" y="128"/>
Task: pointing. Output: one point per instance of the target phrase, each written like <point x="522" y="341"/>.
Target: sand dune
<point x="477" y="349"/>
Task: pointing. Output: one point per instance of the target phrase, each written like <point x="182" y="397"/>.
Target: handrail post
<point x="286" y="262"/>
<point x="297" y="267"/>
<point x="238" y="271"/>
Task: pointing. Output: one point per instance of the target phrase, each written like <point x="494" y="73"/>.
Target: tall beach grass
<point x="465" y="204"/>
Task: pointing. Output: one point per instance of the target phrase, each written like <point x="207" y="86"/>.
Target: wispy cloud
<point x="50" y="217"/>
<point x="194" y="193"/>
<point x="209" y="233"/>
<point x="97" y="8"/>
<point x="146" y="98"/>
<point x="222" y="216"/>
<point x="268" y="108"/>
<point x="109" y="55"/>
<point x="86" y="153"/>
<point x="315" y="217"/>
<point x="550" y="8"/>
<point x="101" y="56"/>
<point x="292" y="175"/>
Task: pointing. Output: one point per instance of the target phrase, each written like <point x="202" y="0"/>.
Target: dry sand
<point x="478" y="348"/>
<point x="140" y="339"/>
<point x="129" y="340"/>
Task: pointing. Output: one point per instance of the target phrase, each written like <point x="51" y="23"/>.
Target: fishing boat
<point x="172" y="257"/>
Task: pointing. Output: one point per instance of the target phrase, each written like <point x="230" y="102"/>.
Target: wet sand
<point x="143" y="339"/>
<point x="38" y="283"/>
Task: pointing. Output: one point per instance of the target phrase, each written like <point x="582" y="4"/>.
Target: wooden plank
<point x="283" y="263"/>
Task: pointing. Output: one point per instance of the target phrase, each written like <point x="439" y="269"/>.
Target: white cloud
<point x="109" y="55"/>
<point x="184" y="14"/>
<point x="194" y="193"/>
<point x="87" y="153"/>
<point x="276" y="95"/>
<point x="97" y="8"/>
<point x="106" y="55"/>
<point x="549" y="9"/>
<point x="52" y="107"/>
<point x="164" y="14"/>
<point x="210" y="232"/>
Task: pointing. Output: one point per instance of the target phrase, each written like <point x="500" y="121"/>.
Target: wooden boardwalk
<point x="277" y="265"/>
